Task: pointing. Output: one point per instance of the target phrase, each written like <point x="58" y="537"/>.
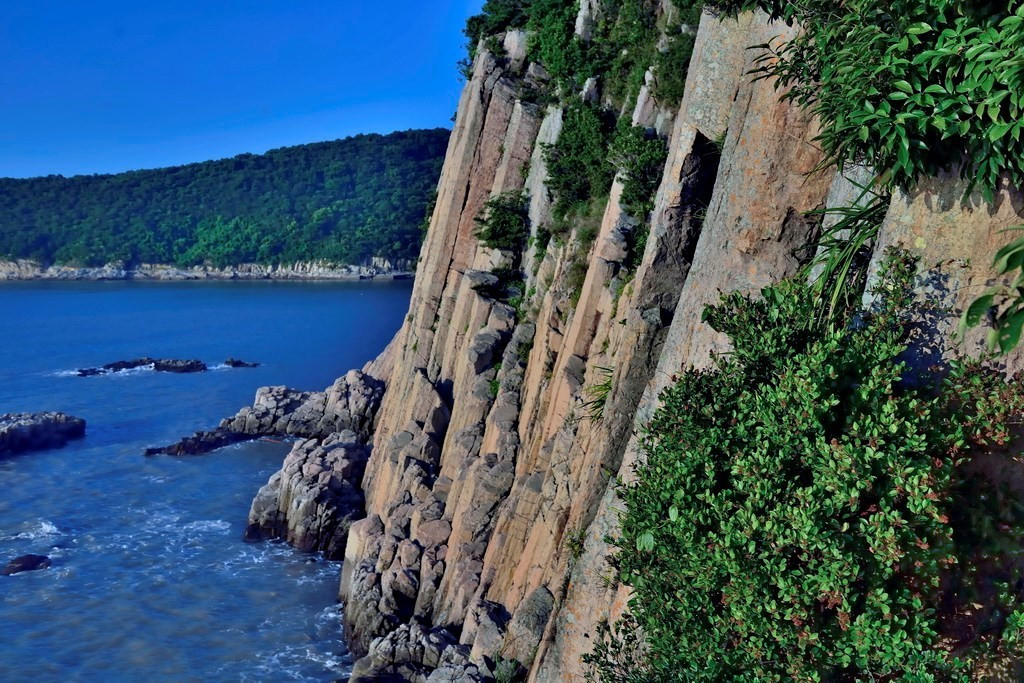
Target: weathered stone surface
<point x="21" y="432"/>
<point x="412" y="653"/>
<point x="515" y="49"/>
<point x="526" y="627"/>
<point x="955" y="240"/>
<point x="314" y="498"/>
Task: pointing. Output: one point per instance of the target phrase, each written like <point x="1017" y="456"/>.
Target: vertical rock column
<point x="754" y="226"/>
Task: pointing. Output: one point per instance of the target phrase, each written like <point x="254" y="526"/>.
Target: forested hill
<point x="340" y="201"/>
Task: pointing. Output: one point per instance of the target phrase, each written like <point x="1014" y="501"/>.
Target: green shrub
<point x="597" y="395"/>
<point x="496" y="16"/>
<point x="554" y="44"/>
<point x="671" y="67"/>
<point x="641" y="159"/>
<point x="630" y="48"/>
<point x="909" y="87"/>
<point x="802" y="513"/>
<point x="578" y="166"/>
<point x="503" y="222"/>
<point x="575" y="277"/>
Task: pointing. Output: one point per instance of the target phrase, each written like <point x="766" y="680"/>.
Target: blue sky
<point x="111" y="85"/>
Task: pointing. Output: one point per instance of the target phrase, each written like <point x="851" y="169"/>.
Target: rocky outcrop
<point x="25" y="563"/>
<point x="349" y="404"/>
<point x="418" y="655"/>
<point x="155" y="364"/>
<point x="313" y="500"/>
<point x="20" y="432"/>
<point x="377" y="267"/>
<point x="235" y="363"/>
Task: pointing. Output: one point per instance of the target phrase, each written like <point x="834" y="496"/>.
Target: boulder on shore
<point x="37" y="431"/>
<point x="25" y="563"/>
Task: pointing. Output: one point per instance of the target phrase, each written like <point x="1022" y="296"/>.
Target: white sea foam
<point x="40" y="529"/>
<point x="208" y="525"/>
<point x="132" y="371"/>
<point x="63" y="373"/>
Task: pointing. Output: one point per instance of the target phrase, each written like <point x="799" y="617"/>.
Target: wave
<point x="104" y="373"/>
<point x="39" y="529"/>
<point x="208" y="525"/>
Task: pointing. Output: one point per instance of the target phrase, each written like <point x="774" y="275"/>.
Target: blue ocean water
<point x="151" y="580"/>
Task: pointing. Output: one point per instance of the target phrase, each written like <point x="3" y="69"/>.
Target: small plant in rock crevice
<point x="598" y="393"/>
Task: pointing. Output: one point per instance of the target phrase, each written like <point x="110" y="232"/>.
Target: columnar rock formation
<point x="490" y="482"/>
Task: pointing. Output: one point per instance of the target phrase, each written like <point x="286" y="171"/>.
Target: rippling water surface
<point x="150" y="578"/>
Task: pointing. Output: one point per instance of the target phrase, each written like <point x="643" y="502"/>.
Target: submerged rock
<point x="25" y="563"/>
<point x="36" y="431"/>
<point x="235" y="363"/>
<point x="201" y="442"/>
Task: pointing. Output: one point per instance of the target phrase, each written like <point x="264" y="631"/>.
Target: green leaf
<point x="1008" y="254"/>
<point x="974" y="313"/>
<point x="1010" y="331"/>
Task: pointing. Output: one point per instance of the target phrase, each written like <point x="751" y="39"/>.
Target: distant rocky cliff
<point x="489" y="494"/>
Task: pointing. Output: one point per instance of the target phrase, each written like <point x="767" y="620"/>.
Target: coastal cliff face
<point x="490" y="487"/>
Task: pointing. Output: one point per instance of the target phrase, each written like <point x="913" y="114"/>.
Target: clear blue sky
<point x="111" y="85"/>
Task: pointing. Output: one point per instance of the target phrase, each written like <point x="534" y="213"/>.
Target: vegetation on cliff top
<point x="807" y="512"/>
<point x="340" y="201"/>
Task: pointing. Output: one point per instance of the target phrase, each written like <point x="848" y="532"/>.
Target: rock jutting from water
<point x="313" y="500"/>
<point x="172" y="365"/>
<point x="21" y="432"/>
<point x="235" y="363"/>
<point x="25" y="563"/>
<point x="157" y="364"/>
<point x="348" y="404"/>
<point x="315" y="497"/>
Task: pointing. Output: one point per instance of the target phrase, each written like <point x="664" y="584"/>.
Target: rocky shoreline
<point x="316" y="496"/>
<point x="374" y="269"/>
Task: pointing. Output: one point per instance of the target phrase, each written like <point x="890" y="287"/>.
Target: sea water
<point x="151" y="579"/>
